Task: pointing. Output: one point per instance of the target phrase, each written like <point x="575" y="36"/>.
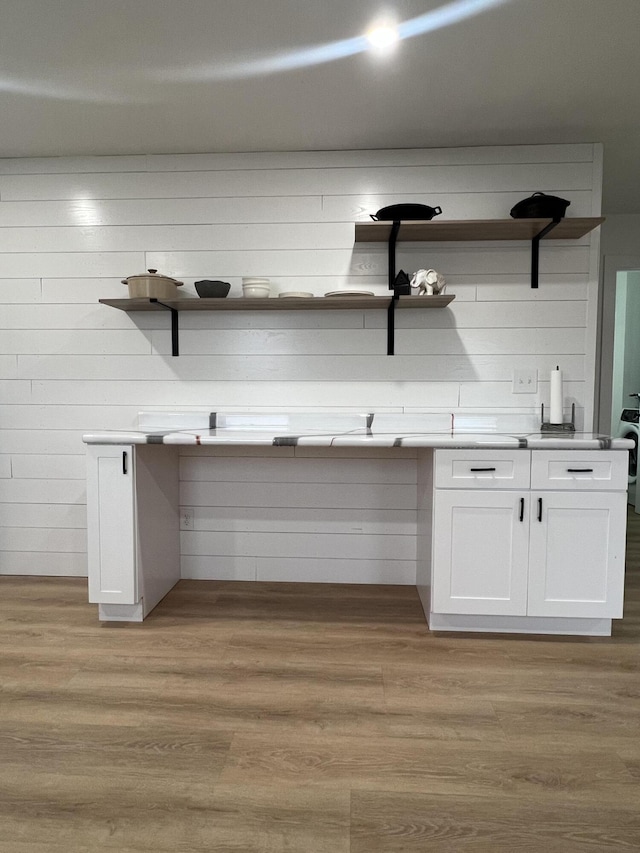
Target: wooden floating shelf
<point x="476" y="229"/>
<point x="292" y="303"/>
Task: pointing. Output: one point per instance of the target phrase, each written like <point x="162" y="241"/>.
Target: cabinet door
<point x="111" y="525"/>
<point x="576" y="557"/>
<point x="480" y="552"/>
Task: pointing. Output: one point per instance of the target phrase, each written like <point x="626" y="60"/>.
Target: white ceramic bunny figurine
<point x="428" y="282"/>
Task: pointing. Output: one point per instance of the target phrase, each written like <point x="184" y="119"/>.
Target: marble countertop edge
<point x="362" y="438"/>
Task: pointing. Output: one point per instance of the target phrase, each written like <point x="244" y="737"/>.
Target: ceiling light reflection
<point x="383" y="37"/>
<point x="443" y="16"/>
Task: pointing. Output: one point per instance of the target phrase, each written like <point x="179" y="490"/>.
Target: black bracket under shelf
<point x="393" y="239"/>
<point x="175" y="342"/>
<point x="391" y="320"/>
<point x="535" y="251"/>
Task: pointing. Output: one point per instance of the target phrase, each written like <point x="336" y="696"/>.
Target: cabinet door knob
<point x="580" y="470"/>
<point x="124" y="461"/>
<point x="539" y="509"/>
<point x="482" y="469"/>
<point x="521" y="509"/>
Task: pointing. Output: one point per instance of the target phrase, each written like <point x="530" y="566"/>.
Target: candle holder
<point x="563" y="427"/>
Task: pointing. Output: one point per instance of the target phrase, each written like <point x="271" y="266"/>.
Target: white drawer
<point x="577" y="470"/>
<point x="482" y="469"/>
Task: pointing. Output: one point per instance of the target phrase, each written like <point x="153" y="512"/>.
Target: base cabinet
<point x="132" y="528"/>
<point x="480" y="553"/>
<point x="529" y="552"/>
<point x="576" y="554"/>
<point x="111" y="540"/>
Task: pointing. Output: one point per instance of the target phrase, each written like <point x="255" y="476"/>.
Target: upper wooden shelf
<point x="476" y="229"/>
<point x="318" y="303"/>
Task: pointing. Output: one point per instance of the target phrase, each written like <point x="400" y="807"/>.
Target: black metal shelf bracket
<point x="391" y="323"/>
<point x="535" y="251"/>
<point x="175" y="343"/>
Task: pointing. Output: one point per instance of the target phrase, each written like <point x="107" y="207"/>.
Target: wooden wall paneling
<point x="227" y="568"/>
<point x="487" y="394"/>
<point x="40" y="563"/>
<point x="368" y="571"/>
<point x="375" y="158"/>
<point x="57" y="539"/>
<point x="312" y="495"/>
<point x="42" y="440"/>
<point x="378" y="521"/>
<point x="556" y="288"/>
<point x="71" y="165"/>
<point x="74" y="342"/>
<point x="71" y="228"/>
<point x="256" y="237"/>
<point x="19" y="289"/>
<point x="48" y="466"/>
<point x="291" y="342"/>
<point x="167" y="211"/>
<point x="14" y="391"/>
<point x="298" y="470"/>
<point x="231" y="320"/>
<point x="354" y="368"/>
<point x="43" y="515"/>
<point x="473" y="342"/>
<point x="36" y="491"/>
<point x="363" y="259"/>
<point x="5" y="465"/>
<point x="67" y="264"/>
<point x="319" y="546"/>
<point x="8" y="367"/>
<point x="55" y="417"/>
<point x="486" y="315"/>
<point x="231" y="394"/>
<point x="308" y="181"/>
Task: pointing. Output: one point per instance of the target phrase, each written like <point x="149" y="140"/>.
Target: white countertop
<point x="326" y="429"/>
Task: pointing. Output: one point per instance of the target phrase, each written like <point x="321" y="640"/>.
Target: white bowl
<point x="295" y="293"/>
<point x="256" y="291"/>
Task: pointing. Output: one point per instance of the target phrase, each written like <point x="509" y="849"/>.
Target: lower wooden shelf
<point x="292" y="303"/>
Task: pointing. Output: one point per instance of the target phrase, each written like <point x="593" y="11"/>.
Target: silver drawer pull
<point x="580" y="470"/>
<point x="482" y="469"/>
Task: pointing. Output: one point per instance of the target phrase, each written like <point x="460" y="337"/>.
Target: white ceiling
<point x="164" y="76"/>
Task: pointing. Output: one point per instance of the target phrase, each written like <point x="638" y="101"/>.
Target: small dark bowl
<point x="211" y="289"/>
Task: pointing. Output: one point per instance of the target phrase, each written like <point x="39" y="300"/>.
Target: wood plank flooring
<point x="291" y="718"/>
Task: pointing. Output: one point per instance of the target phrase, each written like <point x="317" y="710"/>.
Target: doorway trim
<point x="612" y="265"/>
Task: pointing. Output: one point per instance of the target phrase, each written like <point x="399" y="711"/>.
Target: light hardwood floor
<point x="291" y="718"/>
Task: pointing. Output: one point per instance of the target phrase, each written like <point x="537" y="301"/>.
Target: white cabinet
<point x="480" y="552"/>
<point x="576" y="554"/>
<point x="501" y="548"/>
<point x="132" y="528"/>
<point x="111" y="525"/>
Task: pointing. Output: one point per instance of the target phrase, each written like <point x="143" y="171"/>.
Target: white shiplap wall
<point x="70" y="229"/>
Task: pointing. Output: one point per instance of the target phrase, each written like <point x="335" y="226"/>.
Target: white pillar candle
<point x="555" y="413"/>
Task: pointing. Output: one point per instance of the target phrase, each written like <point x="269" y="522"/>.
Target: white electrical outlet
<point x="186" y="518"/>
<point x="525" y="381"/>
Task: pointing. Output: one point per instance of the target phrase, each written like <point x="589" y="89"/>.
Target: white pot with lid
<point x="152" y="285"/>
